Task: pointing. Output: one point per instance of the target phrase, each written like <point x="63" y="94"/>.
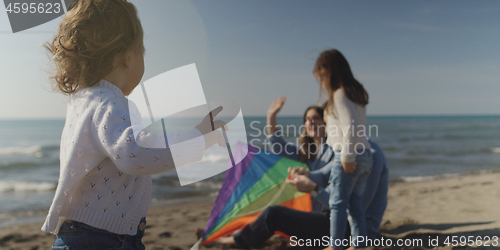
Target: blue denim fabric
<point x="346" y="197"/>
<point x="79" y="236"/>
<point x="376" y="209"/>
<point x="375" y="196"/>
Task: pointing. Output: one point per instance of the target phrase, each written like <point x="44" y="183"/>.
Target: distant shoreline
<point x="300" y="116"/>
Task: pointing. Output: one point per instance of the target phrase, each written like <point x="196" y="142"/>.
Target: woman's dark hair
<point x="333" y="70"/>
<point x="306" y="143"/>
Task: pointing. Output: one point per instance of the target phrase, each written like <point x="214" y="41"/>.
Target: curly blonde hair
<point x="89" y="37"/>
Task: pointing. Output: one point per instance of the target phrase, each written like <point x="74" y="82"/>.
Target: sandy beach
<point x="429" y="211"/>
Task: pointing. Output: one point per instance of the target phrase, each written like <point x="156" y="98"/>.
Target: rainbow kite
<point x="255" y="183"/>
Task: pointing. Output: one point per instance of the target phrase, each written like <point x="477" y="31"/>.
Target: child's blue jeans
<point x="79" y="236"/>
<point x="347" y="193"/>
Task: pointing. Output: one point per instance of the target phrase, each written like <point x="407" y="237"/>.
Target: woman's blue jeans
<point x="346" y="198"/>
<point x="79" y="236"/>
<point x="375" y="196"/>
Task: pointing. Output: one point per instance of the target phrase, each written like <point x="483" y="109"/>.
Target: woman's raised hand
<point x="271" y="114"/>
<point x="276" y="107"/>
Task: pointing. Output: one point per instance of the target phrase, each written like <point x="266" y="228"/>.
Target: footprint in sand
<point x="165" y="235"/>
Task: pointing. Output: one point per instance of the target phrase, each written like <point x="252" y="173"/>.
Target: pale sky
<point x="413" y="57"/>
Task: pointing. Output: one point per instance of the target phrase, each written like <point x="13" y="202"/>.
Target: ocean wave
<point x="26" y="187"/>
<point x="206" y="185"/>
<point x="33" y="150"/>
<point x="472" y="127"/>
<point x="431" y="151"/>
<point x="171" y="181"/>
<point x="495" y="150"/>
<point x="213" y="158"/>
<point x="442" y="176"/>
<point x="417" y="178"/>
<point x="427" y="177"/>
<point x="18" y="165"/>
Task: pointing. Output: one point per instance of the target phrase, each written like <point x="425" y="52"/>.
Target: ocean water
<point x="417" y="148"/>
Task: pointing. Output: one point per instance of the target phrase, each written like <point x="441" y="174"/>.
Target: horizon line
<point x="282" y="116"/>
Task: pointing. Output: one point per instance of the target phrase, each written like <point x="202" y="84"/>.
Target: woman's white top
<point x="346" y="127"/>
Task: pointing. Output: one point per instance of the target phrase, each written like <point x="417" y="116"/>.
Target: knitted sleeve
<point x="114" y="135"/>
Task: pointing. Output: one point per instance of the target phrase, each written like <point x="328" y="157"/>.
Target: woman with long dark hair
<point x="345" y="117"/>
<point x="311" y="138"/>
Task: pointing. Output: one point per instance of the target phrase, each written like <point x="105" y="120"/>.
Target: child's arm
<point x="115" y="138"/>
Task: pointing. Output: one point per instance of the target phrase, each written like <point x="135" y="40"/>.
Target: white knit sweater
<point x="344" y="127"/>
<point x="105" y="177"/>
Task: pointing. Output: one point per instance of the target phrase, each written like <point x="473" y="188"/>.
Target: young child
<point x="104" y="185"/>
<point x="345" y="116"/>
